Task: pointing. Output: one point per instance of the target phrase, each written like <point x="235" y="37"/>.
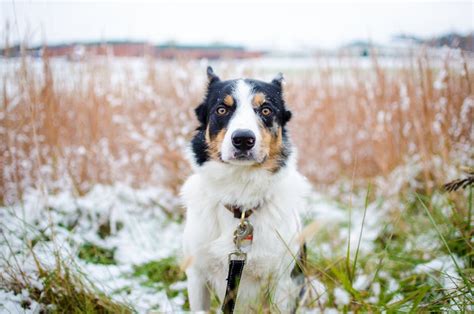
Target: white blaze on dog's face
<point x="242" y="122"/>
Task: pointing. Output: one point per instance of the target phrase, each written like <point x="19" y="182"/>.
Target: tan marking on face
<point x="272" y="145"/>
<point x="258" y="99"/>
<point x="228" y="100"/>
<point x="214" y="144"/>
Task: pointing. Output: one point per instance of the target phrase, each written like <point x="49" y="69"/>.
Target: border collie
<point x="242" y="157"/>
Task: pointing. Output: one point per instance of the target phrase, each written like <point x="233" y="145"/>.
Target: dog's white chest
<point x="209" y="231"/>
<point x="273" y="238"/>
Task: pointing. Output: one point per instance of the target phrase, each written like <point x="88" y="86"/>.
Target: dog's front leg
<point x="198" y="291"/>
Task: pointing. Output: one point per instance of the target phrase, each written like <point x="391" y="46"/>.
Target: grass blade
<point x="361" y="229"/>
<point x="466" y="282"/>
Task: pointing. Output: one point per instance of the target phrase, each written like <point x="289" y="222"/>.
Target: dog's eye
<point x="221" y="110"/>
<point x="266" y="111"/>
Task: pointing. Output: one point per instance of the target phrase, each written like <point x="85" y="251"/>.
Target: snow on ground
<point x="140" y="232"/>
<point x="11" y="303"/>
<point x="146" y="233"/>
<point x="143" y="225"/>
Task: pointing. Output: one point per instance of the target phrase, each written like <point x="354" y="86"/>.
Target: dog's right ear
<point x="211" y="76"/>
<point x="201" y="110"/>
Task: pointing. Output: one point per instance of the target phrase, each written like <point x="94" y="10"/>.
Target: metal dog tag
<point x="243" y="236"/>
<point x="246" y="243"/>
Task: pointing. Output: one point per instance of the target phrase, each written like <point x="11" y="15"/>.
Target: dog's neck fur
<point x="246" y="186"/>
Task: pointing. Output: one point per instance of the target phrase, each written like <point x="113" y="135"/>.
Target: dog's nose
<point x="243" y="139"/>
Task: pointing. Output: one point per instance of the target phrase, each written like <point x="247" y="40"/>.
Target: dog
<point x="242" y="157"/>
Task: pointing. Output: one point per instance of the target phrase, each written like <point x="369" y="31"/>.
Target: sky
<point x="255" y="24"/>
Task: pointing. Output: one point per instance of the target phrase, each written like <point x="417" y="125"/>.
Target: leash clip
<point x="242" y="217"/>
<point x="243" y="235"/>
<point x="237" y="255"/>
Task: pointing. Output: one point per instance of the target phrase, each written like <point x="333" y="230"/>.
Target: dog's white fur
<point x="208" y="234"/>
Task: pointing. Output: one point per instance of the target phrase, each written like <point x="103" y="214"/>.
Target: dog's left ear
<point x="278" y="80"/>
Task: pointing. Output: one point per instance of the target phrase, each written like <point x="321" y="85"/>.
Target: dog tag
<point x="243" y="236"/>
<point x="246" y="243"/>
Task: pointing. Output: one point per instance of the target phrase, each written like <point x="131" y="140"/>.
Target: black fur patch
<point x="199" y="147"/>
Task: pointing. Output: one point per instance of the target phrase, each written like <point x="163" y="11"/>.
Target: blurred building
<point x="78" y="51"/>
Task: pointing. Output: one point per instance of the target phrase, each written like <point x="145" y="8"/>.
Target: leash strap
<point x="233" y="280"/>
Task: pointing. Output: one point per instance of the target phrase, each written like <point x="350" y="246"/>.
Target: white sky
<point x="266" y="24"/>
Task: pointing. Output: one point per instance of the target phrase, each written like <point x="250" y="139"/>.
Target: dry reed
<point x="75" y="124"/>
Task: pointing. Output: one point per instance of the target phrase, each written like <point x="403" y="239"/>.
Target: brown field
<point x="74" y="124"/>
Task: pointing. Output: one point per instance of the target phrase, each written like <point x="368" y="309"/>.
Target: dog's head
<point x="242" y="122"/>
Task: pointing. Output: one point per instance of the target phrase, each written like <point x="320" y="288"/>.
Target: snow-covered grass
<point x="108" y="237"/>
<point x="395" y="253"/>
<point x="92" y="161"/>
<point x="378" y="252"/>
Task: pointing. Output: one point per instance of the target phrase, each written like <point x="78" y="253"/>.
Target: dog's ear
<point x="211" y="76"/>
<point x="201" y="113"/>
<point x="286" y="116"/>
<point x="201" y="110"/>
<point x="278" y="80"/>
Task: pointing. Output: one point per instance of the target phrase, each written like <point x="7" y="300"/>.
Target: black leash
<point x="243" y="237"/>
<point x="233" y="280"/>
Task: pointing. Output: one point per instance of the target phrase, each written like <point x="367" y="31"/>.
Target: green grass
<point x="162" y="272"/>
<point x="424" y="228"/>
<point x="95" y="254"/>
<point x="161" y="275"/>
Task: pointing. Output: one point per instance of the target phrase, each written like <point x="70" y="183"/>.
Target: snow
<point x="342" y="296"/>
<point x="330" y="214"/>
<point x="376" y="289"/>
<point x="147" y="234"/>
<point x="320" y="292"/>
<point x="445" y="266"/>
<point x="361" y="282"/>
<point x="12" y="303"/>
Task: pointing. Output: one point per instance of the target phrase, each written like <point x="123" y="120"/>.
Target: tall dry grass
<point x="74" y="124"/>
<point x="370" y="119"/>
